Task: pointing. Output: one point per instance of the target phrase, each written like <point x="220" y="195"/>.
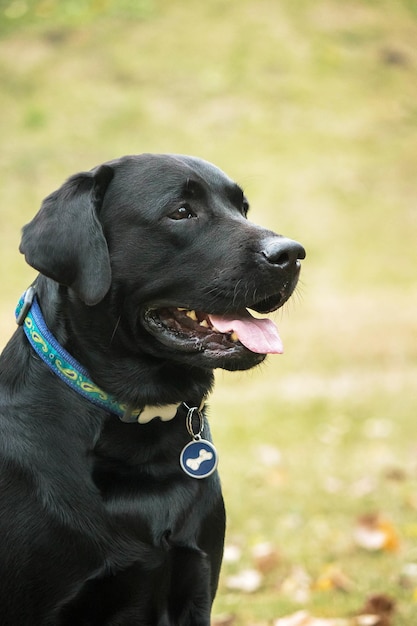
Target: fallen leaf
<point x="247" y="581"/>
<point x="367" y="620"/>
<point x="296" y="619"/>
<point x="408" y="576"/>
<point x="302" y="618"/>
<point x="378" y="610"/>
<point x="331" y="578"/>
<point x="297" y="585"/>
<point x="268" y="455"/>
<point x="372" y="532"/>
<point x="232" y="553"/>
<point x="396" y="474"/>
<point x="265" y="556"/>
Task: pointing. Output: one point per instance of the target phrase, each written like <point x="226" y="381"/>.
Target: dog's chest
<point x="152" y="497"/>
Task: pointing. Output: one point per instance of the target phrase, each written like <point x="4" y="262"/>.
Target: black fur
<point x="99" y="525"/>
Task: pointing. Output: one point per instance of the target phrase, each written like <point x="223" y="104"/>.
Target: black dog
<point x="147" y="267"/>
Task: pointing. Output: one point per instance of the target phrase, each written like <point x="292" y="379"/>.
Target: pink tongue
<point x="258" y="335"/>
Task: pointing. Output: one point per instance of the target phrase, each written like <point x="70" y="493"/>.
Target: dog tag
<point x="199" y="458"/>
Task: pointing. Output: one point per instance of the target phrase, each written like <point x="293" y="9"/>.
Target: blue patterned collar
<point x="46" y="346"/>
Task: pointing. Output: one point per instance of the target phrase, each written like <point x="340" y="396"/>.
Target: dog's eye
<point x="183" y="213"/>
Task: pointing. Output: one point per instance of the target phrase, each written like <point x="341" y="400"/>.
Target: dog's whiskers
<point x="115" y="330"/>
<point x="235" y="291"/>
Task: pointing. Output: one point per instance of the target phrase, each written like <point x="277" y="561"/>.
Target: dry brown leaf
<point x="396" y="474"/>
<point x="265" y="557"/>
<point x="331" y="578"/>
<point x="378" y="610"/>
<point x="372" y="532"/>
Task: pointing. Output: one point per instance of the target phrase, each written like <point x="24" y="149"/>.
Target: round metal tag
<point x="199" y="458"/>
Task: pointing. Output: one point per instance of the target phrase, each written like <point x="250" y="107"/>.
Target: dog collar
<point x="46" y="346"/>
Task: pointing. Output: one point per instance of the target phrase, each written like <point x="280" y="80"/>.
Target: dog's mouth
<point x="221" y="335"/>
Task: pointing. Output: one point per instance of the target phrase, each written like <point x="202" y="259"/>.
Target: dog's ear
<point x="65" y="240"/>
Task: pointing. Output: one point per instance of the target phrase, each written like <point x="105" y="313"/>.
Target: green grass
<point x="312" y="107"/>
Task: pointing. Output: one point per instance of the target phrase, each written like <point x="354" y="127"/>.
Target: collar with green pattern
<point x="46" y="346"/>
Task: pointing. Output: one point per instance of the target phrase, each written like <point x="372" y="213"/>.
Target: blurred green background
<point x="312" y="108"/>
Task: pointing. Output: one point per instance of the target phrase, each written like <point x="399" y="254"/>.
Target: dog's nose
<point x="283" y="252"/>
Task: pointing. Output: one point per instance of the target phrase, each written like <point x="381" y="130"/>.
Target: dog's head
<point x="164" y="241"/>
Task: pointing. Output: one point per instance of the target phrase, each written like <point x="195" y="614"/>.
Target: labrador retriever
<point x="111" y="509"/>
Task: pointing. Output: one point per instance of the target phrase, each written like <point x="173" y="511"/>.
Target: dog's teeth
<point x="204" y="323"/>
<point x="180" y="308"/>
<point x="234" y="336"/>
<point x="192" y="315"/>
